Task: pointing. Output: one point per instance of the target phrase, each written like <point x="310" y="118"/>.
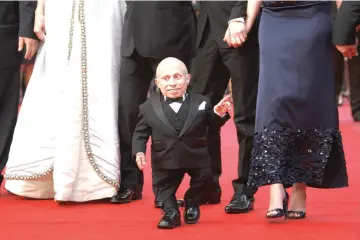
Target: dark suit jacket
<point x="159" y="29"/>
<point x="239" y="10"/>
<point x="218" y="14"/>
<point x="346" y="21"/>
<point x="169" y="149"/>
<point x="16" y="20"/>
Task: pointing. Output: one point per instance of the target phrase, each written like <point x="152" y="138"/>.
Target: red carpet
<point x="332" y="214"/>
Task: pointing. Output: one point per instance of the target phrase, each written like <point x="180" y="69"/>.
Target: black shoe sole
<point x="169" y="227"/>
<point x="191" y="222"/>
<point x="187" y="221"/>
<point x="236" y="211"/>
<point x="124" y="201"/>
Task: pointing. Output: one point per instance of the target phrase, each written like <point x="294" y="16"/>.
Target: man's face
<point x="173" y="82"/>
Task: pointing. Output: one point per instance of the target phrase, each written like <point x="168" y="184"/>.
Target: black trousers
<point x="9" y="104"/>
<point x="354" y="79"/>
<point x="211" y="70"/>
<point x="136" y="74"/>
<point x="168" y="181"/>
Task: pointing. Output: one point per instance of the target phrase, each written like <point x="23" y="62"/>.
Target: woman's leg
<point x="277" y="197"/>
<point x="298" y="201"/>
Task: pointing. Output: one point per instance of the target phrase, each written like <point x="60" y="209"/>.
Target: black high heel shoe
<point x="278" y="211"/>
<point x="296" y="214"/>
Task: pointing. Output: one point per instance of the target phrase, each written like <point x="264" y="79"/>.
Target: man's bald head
<point x="172" y="77"/>
<point x="171" y="63"/>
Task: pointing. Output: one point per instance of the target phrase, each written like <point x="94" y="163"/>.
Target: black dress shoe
<point x="180" y="203"/>
<point x="240" y="203"/>
<point x="192" y="215"/>
<point x="126" y="196"/>
<point x="170" y="220"/>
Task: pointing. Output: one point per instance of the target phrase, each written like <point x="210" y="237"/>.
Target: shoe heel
<point x="286" y="205"/>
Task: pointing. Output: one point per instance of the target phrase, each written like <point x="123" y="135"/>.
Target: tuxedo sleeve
<point x="27" y="17"/>
<point x="141" y="134"/>
<point x="239" y="10"/>
<point x="346" y="21"/>
<point x="214" y="120"/>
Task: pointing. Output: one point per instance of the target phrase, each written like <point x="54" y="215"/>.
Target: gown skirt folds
<point x="297" y="137"/>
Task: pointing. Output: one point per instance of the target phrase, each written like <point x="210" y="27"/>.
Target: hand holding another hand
<point x="348" y="51"/>
<point x="224" y="105"/>
<point x="236" y="34"/>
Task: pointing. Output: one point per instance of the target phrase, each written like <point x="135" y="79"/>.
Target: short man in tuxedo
<point x="177" y="123"/>
<point x="214" y="65"/>
<point x="152" y="31"/>
<point x="340" y="27"/>
<point x="16" y="33"/>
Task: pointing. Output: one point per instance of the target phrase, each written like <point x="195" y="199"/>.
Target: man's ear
<point x="156" y="82"/>
<point x="188" y="77"/>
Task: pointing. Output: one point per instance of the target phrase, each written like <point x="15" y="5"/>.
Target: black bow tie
<point x="172" y="100"/>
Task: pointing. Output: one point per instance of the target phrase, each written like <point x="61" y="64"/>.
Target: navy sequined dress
<point x="297" y="134"/>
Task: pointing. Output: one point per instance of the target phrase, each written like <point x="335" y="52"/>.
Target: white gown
<point x="66" y="143"/>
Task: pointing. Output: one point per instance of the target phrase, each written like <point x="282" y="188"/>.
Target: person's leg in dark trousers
<point x="200" y="178"/>
<point x="243" y="65"/>
<point x="339" y="66"/>
<point x="354" y="82"/>
<point x="166" y="185"/>
<point x="135" y="77"/>
<point x="210" y="78"/>
<point x="9" y="106"/>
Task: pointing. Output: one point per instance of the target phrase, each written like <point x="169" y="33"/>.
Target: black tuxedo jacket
<point x="16" y="20"/>
<point x="159" y="29"/>
<point x="170" y="149"/>
<point x="346" y="21"/>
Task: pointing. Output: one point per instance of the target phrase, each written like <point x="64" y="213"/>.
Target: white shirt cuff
<point x="237" y="20"/>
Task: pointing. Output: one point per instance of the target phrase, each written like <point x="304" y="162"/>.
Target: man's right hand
<point x="140" y="160"/>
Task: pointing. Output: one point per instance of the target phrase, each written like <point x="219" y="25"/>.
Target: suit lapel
<point x="194" y="104"/>
<point x="156" y="103"/>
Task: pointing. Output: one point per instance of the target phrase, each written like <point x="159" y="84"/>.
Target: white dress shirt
<point x="176" y="106"/>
